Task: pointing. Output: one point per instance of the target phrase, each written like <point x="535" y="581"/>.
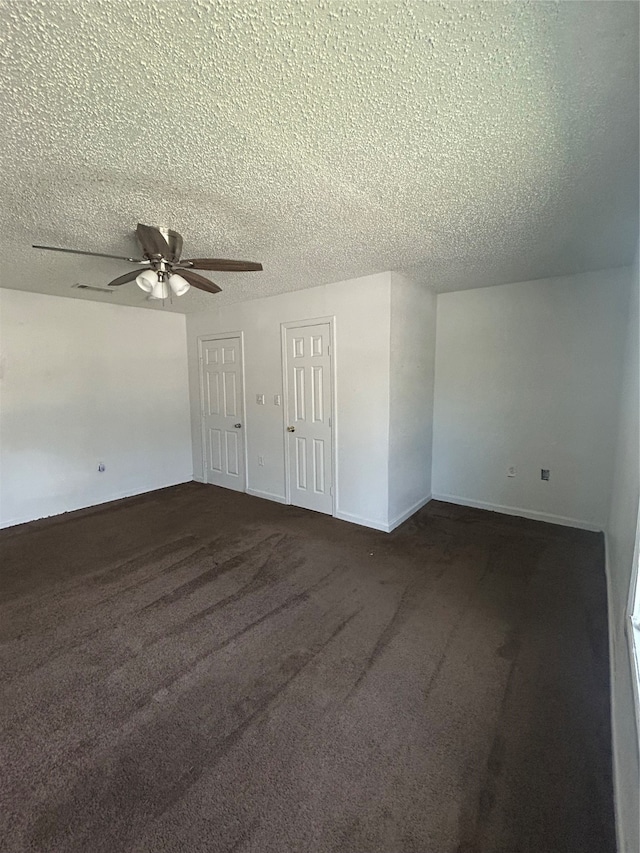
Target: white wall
<point x="361" y="308"/>
<point x="528" y="375"/>
<point x="620" y="538"/>
<point x="82" y="383"/>
<point x="413" y="338"/>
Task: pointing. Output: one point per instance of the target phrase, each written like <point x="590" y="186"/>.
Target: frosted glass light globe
<point x="160" y="290"/>
<point x="146" y="280"/>
<point x="178" y="284"/>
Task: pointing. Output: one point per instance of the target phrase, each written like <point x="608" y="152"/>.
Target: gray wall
<point x="621" y="541"/>
<point x="84" y="383"/>
<point x="413" y="340"/>
<point x="528" y="375"/>
<point x="361" y="308"/>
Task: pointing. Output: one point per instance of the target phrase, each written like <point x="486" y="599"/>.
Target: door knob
<point x="237" y="426"/>
<point x="291" y="429"/>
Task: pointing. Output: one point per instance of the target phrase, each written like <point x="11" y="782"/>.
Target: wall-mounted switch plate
<point x="101" y="467"/>
<point x="261" y="461"/>
<point x="544" y="473"/>
<point x="511" y="471"/>
<point x="260" y="399"/>
<point x="277" y="400"/>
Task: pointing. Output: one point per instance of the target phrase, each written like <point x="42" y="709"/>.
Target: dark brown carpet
<point x="199" y="670"/>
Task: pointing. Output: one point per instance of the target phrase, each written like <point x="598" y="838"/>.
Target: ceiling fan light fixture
<point x="178" y="284"/>
<point x="160" y="290"/>
<point x="147" y="280"/>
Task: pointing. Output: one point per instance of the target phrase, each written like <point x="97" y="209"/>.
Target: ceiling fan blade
<point x="124" y="279"/>
<point x="152" y="241"/>
<point x="200" y="281"/>
<point x="223" y="265"/>
<point x="93" y="254"/>
<point x="174" y="241"/>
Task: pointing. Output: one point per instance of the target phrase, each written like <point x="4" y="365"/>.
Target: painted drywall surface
<point x="621" y="535"/>
<point x="84" y="383"/>
<point x="528" y="375"/>
<point x="413" y="339"/>
<point x="361" y="308"/>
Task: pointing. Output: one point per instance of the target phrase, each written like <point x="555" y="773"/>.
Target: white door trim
<point x="294" y="324"/>
<point x="218" y="336"/>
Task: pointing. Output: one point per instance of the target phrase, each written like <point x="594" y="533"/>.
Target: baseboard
<point x="267" y="496"/>
<point x="347" y="516"/>
<point x="397" y="521"/>
<point x="385" y="527"/>
<point x="115" y="496"/>
<point x="532" y="514"/>
<point x="256" y="493"/>
<point x="363" y="522"/>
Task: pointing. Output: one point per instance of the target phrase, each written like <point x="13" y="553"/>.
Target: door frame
<point x="220" y="336"/>
<point x="294" y="324"/>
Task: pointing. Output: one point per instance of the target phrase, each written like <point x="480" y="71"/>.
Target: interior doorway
<point x="309" y="417"/>
<point x="222" y="412"/>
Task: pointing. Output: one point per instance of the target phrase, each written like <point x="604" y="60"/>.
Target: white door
<point x="309" y="432"/>
<point x="222" y="413"/>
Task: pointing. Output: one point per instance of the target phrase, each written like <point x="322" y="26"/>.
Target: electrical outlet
<point x="511" y="471"/>
<point x="277" y="400"/>
<point x="544" y="473"/>
<point x="101" y="467"/>
<point x="261" y="461"/>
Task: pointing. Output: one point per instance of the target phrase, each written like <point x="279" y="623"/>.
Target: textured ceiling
<point x="466" y="143"/>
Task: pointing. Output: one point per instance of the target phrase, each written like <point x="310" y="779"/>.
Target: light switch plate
<point x="260" y="399"/>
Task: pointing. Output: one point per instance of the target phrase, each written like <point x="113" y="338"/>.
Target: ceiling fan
<point x="164" y="271"/>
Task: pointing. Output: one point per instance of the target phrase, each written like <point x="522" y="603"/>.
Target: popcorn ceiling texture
<point x="467" y="144"/>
